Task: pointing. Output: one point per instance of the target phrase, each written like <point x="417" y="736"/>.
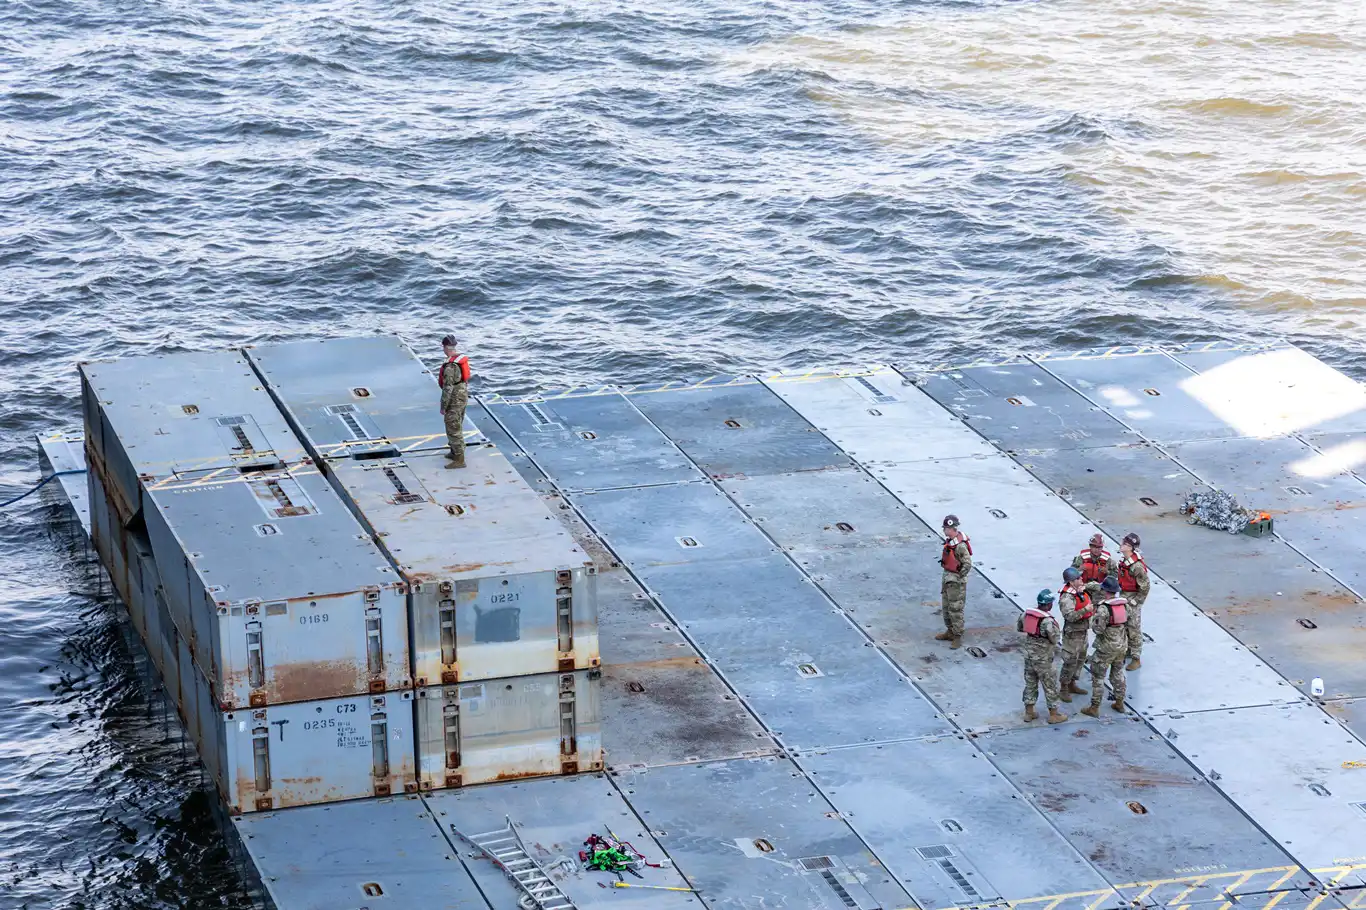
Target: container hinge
<point x="564" y="609"/>
<point x="446" y="618"/>
<point x="256" y="662"/>
<point x="260" y="750"/>
<point x="374" y="647"/>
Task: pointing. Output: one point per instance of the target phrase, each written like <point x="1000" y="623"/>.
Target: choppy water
<point x="600" y="192"/>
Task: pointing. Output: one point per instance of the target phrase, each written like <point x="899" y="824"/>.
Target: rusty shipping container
<point x="497" y="586"/>
<point x="281" y="593"/>
<point x="305" y="753"/>
<point x="504" y="729"/>
<point x="155" y="417"/>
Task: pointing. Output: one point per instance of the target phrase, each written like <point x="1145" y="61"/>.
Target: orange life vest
<point x="1033" y="622"/>
<point x="1119" y="610"/>
<point x="1085" y="609"/>
<point x="462" y="361"/>
<point x="1093" y="569"/>
<point x="1127" y="582"/>
<point x="950" y="558"/>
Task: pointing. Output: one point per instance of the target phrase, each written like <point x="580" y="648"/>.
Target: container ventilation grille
<point x="402" y="495"/>
<point x="935" y="851"/>
<point x="540" y="417"/>
<point x="346" y="413"/>
<point x="815" y="863"/>
<point x="878" y="394"/>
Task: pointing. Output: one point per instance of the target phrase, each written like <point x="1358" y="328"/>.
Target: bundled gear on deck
<point x="607" y="854"/>
<point x="1216" y="509"/>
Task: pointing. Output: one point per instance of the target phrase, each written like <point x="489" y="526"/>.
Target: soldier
<point x="454" y="378"/>
<point x="957" y="562"/>
<point x="1133" y="582"/>
<point x="1043" y="635"/>
<point x="1111" y="644"/>
<point x="1075" y="606"/>
<point x="1094" y="563"/>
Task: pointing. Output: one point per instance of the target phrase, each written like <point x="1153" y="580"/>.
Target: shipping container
<point x="504" y="729"/>
<point x="143" y="579"/>
<point x="280" y="592"/>
<point x="310" y="752"/>
<point x="155" y="417"/>
<point x="357" y="396"/>
<point x="497" y="585"/>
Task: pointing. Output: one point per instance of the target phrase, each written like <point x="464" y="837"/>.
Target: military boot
<point x="1055" y="716"/>
<point x="943" y="636"/>
<point x="1075" y="689"/>
<point x="1091" y="710"/>
<point x="1064" y="693"/>
<point x="1118" y="706"/>
<point x="1030" y="713"/>
<point x="955" y="644"/>
<point x="1133" y="664"/>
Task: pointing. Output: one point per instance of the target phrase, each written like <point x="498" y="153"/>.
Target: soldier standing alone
<point x="957" y="562"/>
<point x="1111" y="644"/>
<point x="1134" y="583"/>
<point x="1075" y="606"/>
<point x="454" y="378"/>
<point x="1042" y="636"/>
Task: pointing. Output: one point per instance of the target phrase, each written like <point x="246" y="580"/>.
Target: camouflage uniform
<point x="1108" y="562"/>
<point x="1134" y="627"/>
<point x="455" y="395"/>
<point x="1039" y="652"/>
<point x="1107" y="656"/>
<point x="1074" y="632"/>
<point x="954" y="592"/>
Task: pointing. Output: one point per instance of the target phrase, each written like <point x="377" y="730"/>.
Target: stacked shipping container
<point x="439" y="630"/>
<point x="502" y="604"/>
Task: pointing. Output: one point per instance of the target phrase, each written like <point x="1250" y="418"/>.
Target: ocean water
<point x="606" y="192"/>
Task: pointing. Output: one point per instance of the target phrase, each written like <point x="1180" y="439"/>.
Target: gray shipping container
<point x="309" y="752"/>
<point x="504" y="729"/>
<point x="154" y="417"/>
<point x="497" y="586"/>
<point x="281" y="594"/>
<point x="357" y="396"/>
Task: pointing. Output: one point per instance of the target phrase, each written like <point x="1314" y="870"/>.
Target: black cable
<point x="41" y="483"/>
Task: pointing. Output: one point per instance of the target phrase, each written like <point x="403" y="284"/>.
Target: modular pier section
<point x="783" y="731"/>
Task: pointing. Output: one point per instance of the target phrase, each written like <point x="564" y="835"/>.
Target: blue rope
<point x="41" y="483"/>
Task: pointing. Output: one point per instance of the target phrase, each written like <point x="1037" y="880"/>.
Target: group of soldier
<point x="1100" y="596"/>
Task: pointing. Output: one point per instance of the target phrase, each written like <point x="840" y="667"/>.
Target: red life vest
<point x="1085" y="609"/>
<point x="950" y="558"/>
<point x="463" y="362"/>
<point x="1093" y="569"/>
<point x="1119" y="610"/>
<point x="1033" y="622"/>
<point x="1127" y="582"/>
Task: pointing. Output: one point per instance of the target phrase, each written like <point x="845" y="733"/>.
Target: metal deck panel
<point x="877" y="416"/>
<point x="1257" y="588"/>
<point x="165" y="410"/>
<point x="385" y="852"/>
<point x="1284" y="390"/>
<point x="681" y="524"/>
<point x="1027" y="550"/>
<point x="331" y="387"/>
<point x="661" y="703"/>
<point x="1349" y="711"/>
<point x="594" y="442"/>
<point x="1322" y="515"/>
<point x="1139" y="812"/>
<point x="910" y="801"/>
<point x="740" y="829"/>
<point x="1019" y="406"/>
<point x="554" y="816"/>
<point x="1291" y="769"/>
<point x="739" y="429"/>
<point x="1123" y="386"/>
<point x="793" y="658"/>
<point x="495" y="434"/>
<point x="892" y="596"/>
<point x="65" y="451"/>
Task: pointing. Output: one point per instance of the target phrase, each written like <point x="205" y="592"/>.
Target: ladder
<point x="505" y="848"/>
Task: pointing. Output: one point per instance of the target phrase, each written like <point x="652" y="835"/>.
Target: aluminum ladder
<point x="505" y="847"/>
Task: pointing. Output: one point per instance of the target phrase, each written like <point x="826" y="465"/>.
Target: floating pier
<point x="779" y="727"/>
